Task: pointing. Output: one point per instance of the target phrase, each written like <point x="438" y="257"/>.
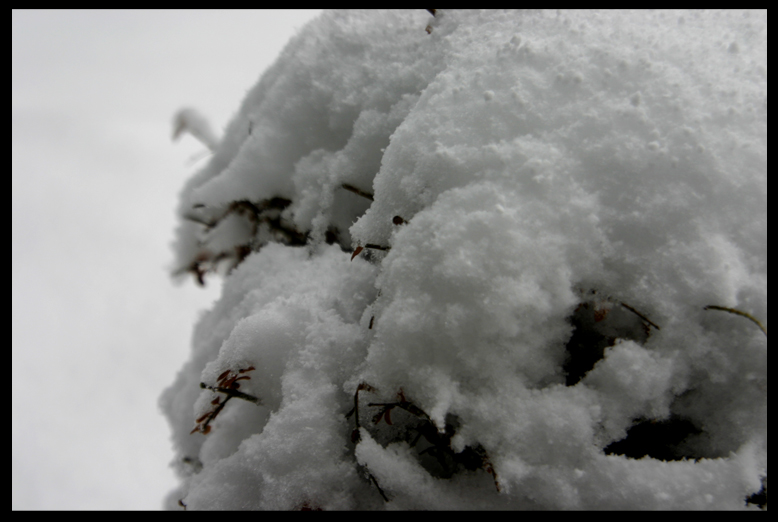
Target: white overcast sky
<point x="98" y="328"/>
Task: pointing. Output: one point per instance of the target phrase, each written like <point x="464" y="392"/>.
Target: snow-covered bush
<point x="485" y="260"/>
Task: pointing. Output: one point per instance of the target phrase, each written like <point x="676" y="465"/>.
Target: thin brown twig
<point x="231" y="393"/>
<point x="373" y="246"/>
<point x="738" y="312"/>
<point x="646" y="319"/>
<point x="357" y="191"/>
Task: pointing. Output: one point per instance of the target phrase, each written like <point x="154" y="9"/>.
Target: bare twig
<point x="386" y="499"/>
<point x="738" y="312"/>
<point x="232" y="393"/>
<point x="646" y="319"/>
<point x="357" y="191"/>
<point x="227" y="384"/>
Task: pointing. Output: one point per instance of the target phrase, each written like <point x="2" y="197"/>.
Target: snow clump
<point x="469" y="257"/>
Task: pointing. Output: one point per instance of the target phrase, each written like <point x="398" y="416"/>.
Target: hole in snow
<point x="656" y="439"/>
<point x="598" y="323"/>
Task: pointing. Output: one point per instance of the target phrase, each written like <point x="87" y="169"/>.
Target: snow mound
<point x="470" y="258"/>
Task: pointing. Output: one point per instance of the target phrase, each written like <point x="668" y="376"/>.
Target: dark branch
<point x="357" y="191"/>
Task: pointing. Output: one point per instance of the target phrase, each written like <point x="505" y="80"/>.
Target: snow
<point x="517" y="181"/>
<point x="191" y="121"/>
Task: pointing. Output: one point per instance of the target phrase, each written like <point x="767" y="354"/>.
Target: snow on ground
<point x="542" y="205"/>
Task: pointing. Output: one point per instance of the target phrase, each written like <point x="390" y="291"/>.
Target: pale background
<point x="98" y="328"/>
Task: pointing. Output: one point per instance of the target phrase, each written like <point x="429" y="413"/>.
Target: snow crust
<point x="526" y="169"/>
